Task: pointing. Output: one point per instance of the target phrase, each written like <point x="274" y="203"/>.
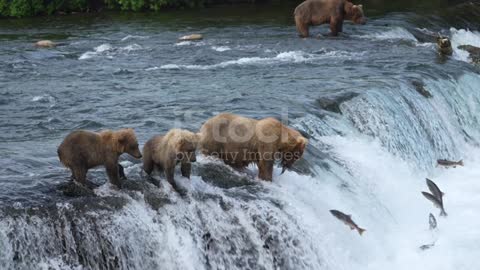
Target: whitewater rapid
<point x="369" y="158"/>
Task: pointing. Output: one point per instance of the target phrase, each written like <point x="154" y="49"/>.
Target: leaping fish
<point x="432" y="221"/>
<point x="435" y="202"/>
<point x="347" y="220"/>
<point x="435" y="190"/>
<point x="449" y="163"/>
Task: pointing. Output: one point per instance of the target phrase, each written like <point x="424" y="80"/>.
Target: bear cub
<point x="165" y="152"/>
<point x="82" y="150"/>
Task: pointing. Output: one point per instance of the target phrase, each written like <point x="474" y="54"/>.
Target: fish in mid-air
<point x="435" y="202"/>
<point x="434" y="189"/>
<point x="347" y="219"/>
<point x="432" y="221"/>
<point x="428" y="246"/>
<point x="449" y="163"/>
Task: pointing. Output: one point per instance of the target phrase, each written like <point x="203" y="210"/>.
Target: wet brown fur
<point x="82" y="150"/>
<point x="165" y="152"/>
<point x="334" y="12"/>
<point x="254" y="148"/>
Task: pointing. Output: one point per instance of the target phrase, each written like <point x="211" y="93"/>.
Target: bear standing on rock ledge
<point x="316" y="12"/>
<point x="165" y="152"/>
<point x="239" y="141"/>
<point x="82" y="150"/>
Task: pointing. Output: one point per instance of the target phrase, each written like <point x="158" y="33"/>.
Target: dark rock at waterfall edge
<point x="332" y="103"/>
<point x="420" y="88"/>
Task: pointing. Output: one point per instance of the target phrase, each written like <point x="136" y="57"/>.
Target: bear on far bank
<point x="82" y="150"/>
<point x="316" y="12"/>
<point x="165" y="152"/>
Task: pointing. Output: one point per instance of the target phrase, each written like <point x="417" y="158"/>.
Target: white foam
<point x="109" y="51"/>
<point x="132" y="47"/>
<point x="46" y="98"/>
<point x="463" y="37"/>
<point x="151" y="68"/>
<point x="103" y="48"/>
<point x="37" y="98"/>
<point x="383" y="196"/>
<point x="188" y="43"/>
<point x="284" y="57"/>
<point x="134" y="37"/>
<point x="392" y="34"/>
<point x="97" y="50"/>
<point x="221" y="48"/>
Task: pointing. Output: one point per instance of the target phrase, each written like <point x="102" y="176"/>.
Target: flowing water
<point x="373" y="139"/>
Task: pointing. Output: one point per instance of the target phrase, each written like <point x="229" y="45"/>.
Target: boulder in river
<point x="191" y="37"/>
<point x="474" y="53"/>
<point x="45" y="44"/>
<point x="332" y="103"/>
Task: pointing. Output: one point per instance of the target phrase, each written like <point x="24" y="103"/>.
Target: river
<point x="373" y="139"/>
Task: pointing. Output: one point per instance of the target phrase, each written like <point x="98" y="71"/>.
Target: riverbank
<point x="31" y="8"/>
<point x="28" y="8"/>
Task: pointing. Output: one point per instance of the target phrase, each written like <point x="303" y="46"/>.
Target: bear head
<point x="126" y="142"/>
<point x="292" y="150"/>
<point x="444" y="42"/>
<point x="355" y="14"/>
<point x="185" y="147"/>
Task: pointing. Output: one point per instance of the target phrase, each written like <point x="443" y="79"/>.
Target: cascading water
<point x="368" y="157"/>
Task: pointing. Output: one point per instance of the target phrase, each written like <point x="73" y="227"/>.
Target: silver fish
<point x="435" y="202"/>
<point x="432" y="221"/>
<point x="449" y="163"/>
<point x="435" y="190"/>
<point x="425" y="247"/>
<point x="347" y="219"/>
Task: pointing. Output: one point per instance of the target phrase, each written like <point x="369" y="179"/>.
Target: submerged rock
<point x="420" y="88"/>
<point x="332" y="103"/>
<point x="73" y="189"/>
<point x="191" y="37"/>
<point x="473" y="51"/>
<point x="222" y="176"/>
<point x="45" y="44"/>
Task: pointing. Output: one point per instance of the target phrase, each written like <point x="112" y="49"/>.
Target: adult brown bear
<point x="82" y="150"/>
<point x="316" y="12"/>
<point x="239" y="141"/>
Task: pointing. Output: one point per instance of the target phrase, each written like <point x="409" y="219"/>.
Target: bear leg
<point x="113" y="174"/>
<point x="148" y="164"/>
<point x="186" y="168"/>
<point x="121" y="172"/>
<point x="265" y="170"/>
<point x="336" y="26"/>
<point x="302" y="27"/>
<point x="80" y="174"/>
<point x="169" y="174"/>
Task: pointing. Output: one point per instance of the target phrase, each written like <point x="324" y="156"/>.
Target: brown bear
<point x="316" y="12"/>
<point x="165" y="152"/>
<point x="82" y="150"/>
<point x="239" y="141"/>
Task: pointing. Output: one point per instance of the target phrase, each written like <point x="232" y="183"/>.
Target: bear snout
<point x="137" y="154"/>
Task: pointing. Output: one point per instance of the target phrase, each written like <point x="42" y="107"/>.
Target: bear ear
<point x="301" y="143"/>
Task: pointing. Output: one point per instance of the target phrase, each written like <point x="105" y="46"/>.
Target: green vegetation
<point x="25" y="8"/>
